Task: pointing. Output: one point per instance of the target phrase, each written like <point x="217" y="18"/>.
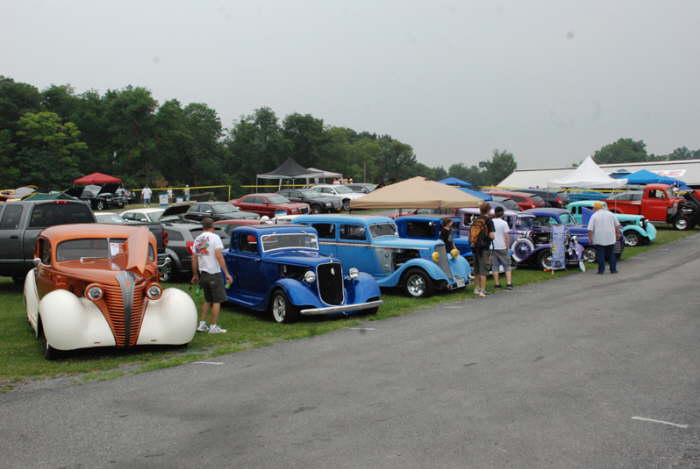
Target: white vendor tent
<point x="588" y="174"/>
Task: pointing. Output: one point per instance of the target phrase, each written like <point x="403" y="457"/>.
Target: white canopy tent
<point x="588" y="174"/>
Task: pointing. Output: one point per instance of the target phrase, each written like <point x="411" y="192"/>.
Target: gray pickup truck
<point x="21" y="222"/>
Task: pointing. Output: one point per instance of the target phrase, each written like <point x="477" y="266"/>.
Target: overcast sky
<point x="549" y="80"/>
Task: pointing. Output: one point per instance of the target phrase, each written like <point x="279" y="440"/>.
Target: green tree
<point x="9" y="172"/>
<point x="15" y="100"/>
<point x="624" y="150"/>
<point x="48" y="150"/>
<point x="499" y="167"/>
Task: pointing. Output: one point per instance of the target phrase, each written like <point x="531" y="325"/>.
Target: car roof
<point x="286" y="228"/>
<point x="500" y="191"/>
<point x="546" y="210"/>
<point x="335" y="218"/>
<point x="264" y="194"/>
<point x="143" y="210"/>
<point x="90" y="230"/>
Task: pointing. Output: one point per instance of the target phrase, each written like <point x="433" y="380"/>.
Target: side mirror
<point x="36" y="261"/>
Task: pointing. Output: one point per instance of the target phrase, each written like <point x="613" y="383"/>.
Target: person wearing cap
<point x="500" y="256"/>
<point x="603" y="233"/>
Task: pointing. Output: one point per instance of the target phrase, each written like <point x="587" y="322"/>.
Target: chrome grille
<point x="125" y="328"/>
<point x="330" y="283"/>
<point x="442" y="262"/>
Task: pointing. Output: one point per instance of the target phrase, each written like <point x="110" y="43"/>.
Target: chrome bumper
<point x="162" y="262"/>
<point x="341" y="308"/>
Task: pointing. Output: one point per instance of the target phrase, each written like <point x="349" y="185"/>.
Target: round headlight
<point x="436" y="256"/>
<point x="574" y="238"/>
<point x="353" y="272"/>
<point x="454" y="253"/>
<point x="309" y="277"/>
<point x="93" y="292"/>
<point x="154" y="291"/>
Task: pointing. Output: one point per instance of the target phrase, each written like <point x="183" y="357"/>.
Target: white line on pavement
<point x="362" y="328"/>
<point x="208" y="363"/>
<point x="644" y="419"/>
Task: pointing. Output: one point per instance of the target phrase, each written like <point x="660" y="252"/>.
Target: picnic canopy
<point x="481" y="195"/>
<point x="97" y="178"/>
<point x="417" y="192"/>
<point x="452" y="181"/>
<point x="323" y="174"/>
<point x="644" y="177"/>
<point x="588" y="174"/>
<point x="290" y="169"/>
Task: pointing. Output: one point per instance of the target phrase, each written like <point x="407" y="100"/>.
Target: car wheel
<point x="346" y="205"/>
<point x="282" y="310"/>
<point x="681" y="223"/>
<point x="100" y="205"/>
<point x="417" y="284"/>
<point x="632" y="239"/>
<point x="544" y="259"/>
<point x="315" y="209"/>
<point x="588" y="255"/>
<point x="166" y="272"/>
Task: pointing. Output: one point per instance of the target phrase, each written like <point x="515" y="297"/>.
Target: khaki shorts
<point x="499" y="258"/>
<point x="213" y="287"/>
<point x="481" y="261"/>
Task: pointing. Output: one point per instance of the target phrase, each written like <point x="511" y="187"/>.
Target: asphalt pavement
<point x="590" y="371"/>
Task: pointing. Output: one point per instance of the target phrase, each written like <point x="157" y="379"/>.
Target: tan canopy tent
<point x="417" y="192"/>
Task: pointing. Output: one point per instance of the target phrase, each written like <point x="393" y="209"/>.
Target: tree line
<point x="50" y="137"/>
<point x="628" y="150"/>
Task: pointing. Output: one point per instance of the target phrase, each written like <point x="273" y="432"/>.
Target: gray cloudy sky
<point x="549" y="80"/>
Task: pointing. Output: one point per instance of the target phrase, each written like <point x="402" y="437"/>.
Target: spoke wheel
<point x="632" y="239"/>
<point x="100" y="205"/>
<point x="282" y="310"/>
<point x="417" y="284"/>
<point x="588" y="255"/>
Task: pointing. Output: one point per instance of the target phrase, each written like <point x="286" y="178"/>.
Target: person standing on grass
<point x="207" y="264"/>
<point x="500" y="257"/>
<point x="146" y="193"/>
<point x="481" y="234"/>
<point x="603" y="233"/>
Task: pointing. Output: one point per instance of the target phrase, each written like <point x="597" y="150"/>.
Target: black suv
<point x="180" y="244"/>
<point x="318" y="203"/>
<point x="218" y="211"/>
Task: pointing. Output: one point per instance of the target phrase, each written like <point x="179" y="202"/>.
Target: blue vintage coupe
<point x="429" y="227"/>
<point x="372" y="244"/>
<point x="279" y="268"/>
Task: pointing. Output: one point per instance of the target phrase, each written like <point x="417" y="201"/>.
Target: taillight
<point x="165" y="238"/>
<point x="60" y="202"/>
<point x="190" y="247"/>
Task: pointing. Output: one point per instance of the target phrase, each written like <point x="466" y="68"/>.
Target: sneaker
<point x="215" y="329"/>
<point x="486" y="292"/>
<point x="509" y="286"/>
<point x="202" y="327"/>
<point x="497" y="286"/>
<point x="477" y="291"/>
<point x="481" y="294"/>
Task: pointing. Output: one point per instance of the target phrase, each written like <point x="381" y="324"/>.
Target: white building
<point x="687" y="171"/>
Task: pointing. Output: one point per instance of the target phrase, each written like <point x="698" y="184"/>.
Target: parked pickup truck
<point x="659" y="204"/>
<point x="21" y="222"/>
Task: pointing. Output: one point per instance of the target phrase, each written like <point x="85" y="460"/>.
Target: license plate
<point x="460" y="282"/>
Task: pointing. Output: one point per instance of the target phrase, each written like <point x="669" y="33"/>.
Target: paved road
<point x="546" y="376"/>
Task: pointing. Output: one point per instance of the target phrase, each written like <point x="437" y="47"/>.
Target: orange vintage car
<point x="96" y="285"/>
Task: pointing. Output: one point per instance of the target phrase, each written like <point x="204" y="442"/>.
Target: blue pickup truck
<point x="373" y="245"/>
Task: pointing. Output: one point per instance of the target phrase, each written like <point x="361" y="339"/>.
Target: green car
<point x="635" y="228"/>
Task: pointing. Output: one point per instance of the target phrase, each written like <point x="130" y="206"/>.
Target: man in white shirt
<point x="146" y="194"/>
<point x="500" y="257"/>
<point x="603" y="233"/>
<point x="207" y="264"/>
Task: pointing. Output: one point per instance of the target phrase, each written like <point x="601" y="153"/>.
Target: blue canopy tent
<point x="644" y="177"/>
<point x="478" y="194"/>
<point x="450" y="181"/>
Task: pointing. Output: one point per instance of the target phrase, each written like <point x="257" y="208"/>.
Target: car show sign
<point x="558" y="247"/>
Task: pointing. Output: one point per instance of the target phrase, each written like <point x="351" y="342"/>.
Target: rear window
<point x="382" y="229"/>
<point x="51" y="214"/>
<point x="174" y="235"/>
<point x="537" y="199"/>
<point x="420" y="229"/>
<point x="325" y="230"/>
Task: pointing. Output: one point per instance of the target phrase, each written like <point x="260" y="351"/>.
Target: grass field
<point x="21" y="359"/>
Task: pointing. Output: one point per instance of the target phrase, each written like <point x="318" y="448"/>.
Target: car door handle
<point x="257" y="259"/>
<point x="14" y="237"/>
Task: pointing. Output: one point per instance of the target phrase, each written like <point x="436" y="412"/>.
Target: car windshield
<point x="155" y="216"/>
<point x="277" y="199"/>
<point x="383" y="229"/>
<point x="109" y="218"/>
<point x="544" y="220"/>
<point x="342" y="189"/>
<point x="224" y="208"/>
<point x="525" y="222"/>
<point x="270" y="242"/>
<point x="93" y="248"/>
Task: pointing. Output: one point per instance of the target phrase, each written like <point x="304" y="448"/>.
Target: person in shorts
<point x="481" y="250"/>
<point x="500" y="256"/>
<point x="207" y="265"/>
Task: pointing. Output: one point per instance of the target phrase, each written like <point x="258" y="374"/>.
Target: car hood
<point x="176" y="209"/>
<point x="304" y="257"/>
<point x="298" y="205"/>
<point x="396" y="242"/>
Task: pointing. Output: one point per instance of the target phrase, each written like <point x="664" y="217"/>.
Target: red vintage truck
<point x="659" y="204"/>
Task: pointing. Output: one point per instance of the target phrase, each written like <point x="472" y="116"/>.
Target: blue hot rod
<point x="279" y="268"/>
<point x="372" y="244"/>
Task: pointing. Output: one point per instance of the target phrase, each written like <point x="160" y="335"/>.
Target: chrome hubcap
<point x="279" y="308"/>
<point x="682" y="224"/>
<point x="631" y="239"/>
<point x="588" y="256"/>
<point x="416" y="285"/>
